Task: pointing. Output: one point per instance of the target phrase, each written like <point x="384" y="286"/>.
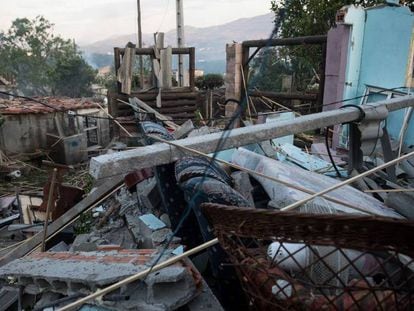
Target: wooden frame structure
<point x="190" y="51"/>
<point x="308" y="40"/>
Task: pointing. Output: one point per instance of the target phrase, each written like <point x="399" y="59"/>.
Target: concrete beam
<point x="158" y="154"/>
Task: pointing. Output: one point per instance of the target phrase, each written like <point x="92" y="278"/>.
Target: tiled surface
<point x="22" y="106"/>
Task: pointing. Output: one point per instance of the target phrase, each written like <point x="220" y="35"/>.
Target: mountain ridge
<point x="210" y="42"/>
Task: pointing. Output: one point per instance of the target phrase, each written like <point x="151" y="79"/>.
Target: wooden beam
<point x="150" y="51"/>
<point x="285" y="41"/>
<point x="285" y="96"/>
<point x="158" y="115"/>
<point x="192" y="68"/>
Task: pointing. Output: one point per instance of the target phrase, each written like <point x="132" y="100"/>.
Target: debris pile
<point x="266" y="210"/>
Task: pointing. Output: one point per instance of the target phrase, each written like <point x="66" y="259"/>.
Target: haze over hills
<point x="210" y="42"/>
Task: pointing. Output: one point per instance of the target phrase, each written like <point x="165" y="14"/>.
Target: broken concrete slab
<point x="60" y="247"/>
<point x="152" y="222"/>
<point x="148" y="195"/>
<point x="166" y="219"/>
<point x="185" y="129"/>
<point x="73" y="273"/>
<point x="149" y="224"/>
<point x="82" y="243"/>
<point x="160" y="236"/>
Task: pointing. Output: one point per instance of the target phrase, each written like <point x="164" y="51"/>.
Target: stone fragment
<point x="148" y="224"/>
<point x="82" y="243"/>
<point x="184" y="129"/>
<point x="160" y="236"/>
<point x="148" y="194"/>
<point x="166" y="219"/>
<point x="60" y="247"/>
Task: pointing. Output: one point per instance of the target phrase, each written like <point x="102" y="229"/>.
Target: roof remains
<point x="22" y="106"/>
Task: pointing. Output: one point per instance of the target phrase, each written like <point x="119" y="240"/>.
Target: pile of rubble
<point x="129" y="224"/>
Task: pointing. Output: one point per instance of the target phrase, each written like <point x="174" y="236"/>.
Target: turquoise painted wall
<point x="355" y="18"/>
<point x="379" y="55"/>
<point x="386" y="55"/>
<point x="386" y="47"/>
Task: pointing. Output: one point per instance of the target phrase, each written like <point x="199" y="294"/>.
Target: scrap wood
<point x="140" y="275"/>
<point x="49" y="206"/>
<point x="124" y="74"/>
<point x="282" y="106"/>
<point x="166" y="120"/>
<point x="266" y="104"/>
<point x="112" y="209"/>
<point x="245" y="89"/>
<point x="92" y="200"/>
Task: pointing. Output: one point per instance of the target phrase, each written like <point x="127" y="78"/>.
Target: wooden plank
<point x="178" y="109"/>
<point x="286" y="41"/>
<point x="159" y="44"/>
<point x="192" y="68"/>
<point x="93" y="198"/>
<point x="150" y="51"/>
<point x="117" y="62"/>
<point x="124" y="74"/>
<point x="158" y="115"/>
<point x="165" y="104"/>
<point x="166" y="68"/>
<point x="166" y="95"/>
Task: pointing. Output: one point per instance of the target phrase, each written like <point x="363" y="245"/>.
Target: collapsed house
<point x="70" y="128"/>
<point x="235" y="218"/>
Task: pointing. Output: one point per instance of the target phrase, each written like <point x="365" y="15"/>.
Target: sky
<point x="88" y="21"/>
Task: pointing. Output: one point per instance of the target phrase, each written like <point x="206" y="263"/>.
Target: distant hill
<point x="210" y="42"/>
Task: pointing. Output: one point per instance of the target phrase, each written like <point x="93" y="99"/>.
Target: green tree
<point x="210" y="81"/>
<point x="298" y="18"/>
<point x="42" y="63"/>
<point x="312" y="17"/>
<point x="108" y="80"/>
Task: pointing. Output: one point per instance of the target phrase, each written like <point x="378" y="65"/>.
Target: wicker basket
<point x="292" y="261"/>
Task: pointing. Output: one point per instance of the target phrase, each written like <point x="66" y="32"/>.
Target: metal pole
<point x="180" y="40"/>
<point x="141" y="68"/>
<point x="141" y="157"/>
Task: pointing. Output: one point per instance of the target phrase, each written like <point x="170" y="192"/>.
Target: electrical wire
<point x="163" y="18"/>
<point x="191" y="204"/>
<point x="328" y="150"/>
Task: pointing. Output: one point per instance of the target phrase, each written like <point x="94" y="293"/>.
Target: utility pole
<point x="180" y="40"/>
<point x="141" y="68"/>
